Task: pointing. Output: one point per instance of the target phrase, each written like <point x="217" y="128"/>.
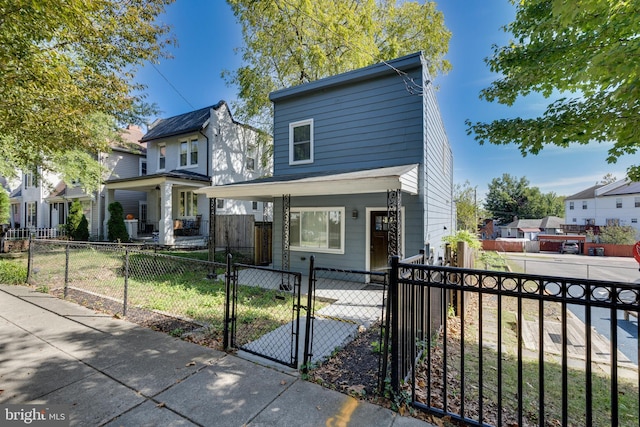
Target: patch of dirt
<point x="354" y="369"/>
<point x="180" y="328"/>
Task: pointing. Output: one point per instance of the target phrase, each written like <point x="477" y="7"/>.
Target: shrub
<point x="116" y="229"/>
<point x="77" y="224"/>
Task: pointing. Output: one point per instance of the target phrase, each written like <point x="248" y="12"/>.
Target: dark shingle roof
<point x="176" y="125"/>
<point x="589" y="193"/>
<point x="630" y="188"/>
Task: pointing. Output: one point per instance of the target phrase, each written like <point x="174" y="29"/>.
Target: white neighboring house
<point x="28" y="206"/>
<point x="617" y="203"/>
<point x="45" y="202"/>
<point x="187" y="152"/>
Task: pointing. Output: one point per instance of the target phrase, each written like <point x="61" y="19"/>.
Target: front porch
<point x="171" y="215"/>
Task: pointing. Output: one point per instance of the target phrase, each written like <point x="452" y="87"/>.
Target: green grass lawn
<point x="176" y="285"/>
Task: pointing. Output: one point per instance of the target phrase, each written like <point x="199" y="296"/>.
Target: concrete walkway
<point x="111" y="372"/>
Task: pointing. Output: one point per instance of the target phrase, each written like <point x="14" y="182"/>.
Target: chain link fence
<point x="168" y="293"/>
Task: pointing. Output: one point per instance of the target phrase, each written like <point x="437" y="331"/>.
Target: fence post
<point x="306" y="359"/>
<point x="66" y="269"/>
<point x="394" y="332"/>
<point x="30" y="260"/>
<point x="227" y="311"/>
<point x="126" y="282"/>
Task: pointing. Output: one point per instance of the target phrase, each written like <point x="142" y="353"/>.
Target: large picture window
<point x="317" y="229"/>
<point x="301" y="142"/>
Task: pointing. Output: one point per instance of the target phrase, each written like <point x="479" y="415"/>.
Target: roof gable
<point x="183" y="123"/>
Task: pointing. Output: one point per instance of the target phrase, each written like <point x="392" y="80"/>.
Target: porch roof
<point x="404" y="178"/>
<point x="150" y="181"/>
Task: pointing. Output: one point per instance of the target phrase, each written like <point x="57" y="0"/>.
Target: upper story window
<point x="636" y="202"/>
<point x="584" y="204"/>
<point x="619" y="202"/>
<point x="30" y="180"/>
<point x="570" y="206"/>
<point x="250" y="161"/>
<point x="143" y="167"/>
<point x="162" y="156"/>
<point x="219" y="203"/>
<point x="189" y="152"/>
<point x="301" y="142"/>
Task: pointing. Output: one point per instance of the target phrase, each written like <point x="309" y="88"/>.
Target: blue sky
<point x="208" y="34"/>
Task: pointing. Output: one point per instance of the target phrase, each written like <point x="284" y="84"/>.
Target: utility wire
<point x="172" y="86"/>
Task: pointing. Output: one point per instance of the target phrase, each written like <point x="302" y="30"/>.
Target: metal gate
<point x="344" y="303"/>
<point x="263" y="313"/>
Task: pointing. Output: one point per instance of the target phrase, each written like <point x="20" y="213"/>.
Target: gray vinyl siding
<point x="355" y="254"/>
<point x="369" y="124"/>
<point x="438" y="175"/>
<point x="370" y="118"/>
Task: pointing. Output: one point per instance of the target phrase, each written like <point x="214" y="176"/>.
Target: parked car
<point x="569" y="248"/>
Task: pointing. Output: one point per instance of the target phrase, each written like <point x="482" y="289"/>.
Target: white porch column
<point x="109" y="196"/>
<point x="165" y="236"/>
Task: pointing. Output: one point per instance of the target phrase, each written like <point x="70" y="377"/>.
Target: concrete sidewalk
<point x="115" y="373"/>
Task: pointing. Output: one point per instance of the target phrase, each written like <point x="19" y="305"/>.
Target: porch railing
<point x="522" y="350"/>
<point x="35" y="232"/>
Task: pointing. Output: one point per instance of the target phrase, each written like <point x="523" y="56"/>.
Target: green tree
<point x="4" y="206"/>
<point x="468" y="212"/>
<point x="509" y="197"/>
<point x="585" y="53"/>
<point x="289" y="42"/>
<point x="64" y="62"/>
<point x="618" y="235"/>
<point x="77" y="224"/>
<point x="116" y="229"/>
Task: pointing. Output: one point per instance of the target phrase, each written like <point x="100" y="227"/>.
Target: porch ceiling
<point x="404" y="178"/>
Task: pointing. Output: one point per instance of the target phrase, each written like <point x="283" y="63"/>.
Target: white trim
<point x="360" y="182"/>
<point x="160" y="146"/>
<point x="291" y="151"/>
<point x="340" y="209"/>
<point x="189" y="141"/>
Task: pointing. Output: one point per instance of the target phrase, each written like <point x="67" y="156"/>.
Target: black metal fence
<point x="269" y="324"/>
<point x="521" y="350"/>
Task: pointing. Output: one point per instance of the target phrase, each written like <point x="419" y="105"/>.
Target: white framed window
<point x="162" y="156"/>
<point x="250" y="161"/>
<point x="189" y="152"/>
<point x="301" y="142"/>
<point x="584" y="205"/>
<point x="636" y="202"/>
<point x="254" y="206"/>
<point x="219" y="203"/>
<point x="574" y="220"/>
<point x="618" y="202"/>
<point x="634" y="220"/>
<point x="317" y="229"/>
<point x="29" y="180"/>
<point x="570" y="206"/>
<point x="143" y="167"/>
<point x="187" y="204"/>
<point x="31" y="214"/>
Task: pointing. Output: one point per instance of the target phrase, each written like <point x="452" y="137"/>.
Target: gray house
<point x="362" y="169"/>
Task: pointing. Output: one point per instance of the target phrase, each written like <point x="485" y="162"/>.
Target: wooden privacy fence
<point x="243" y="233"/>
